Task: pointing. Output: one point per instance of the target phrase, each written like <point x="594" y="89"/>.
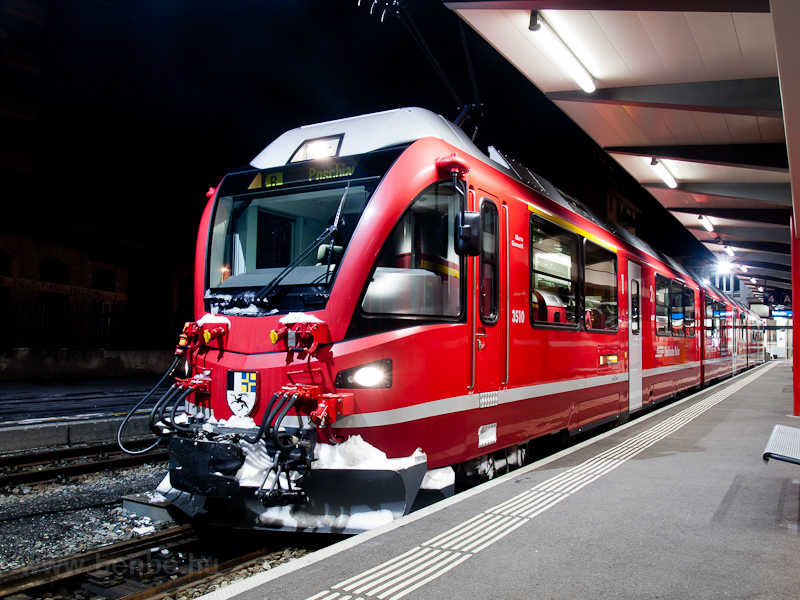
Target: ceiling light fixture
<point x="663" y="173"/>
<point x="743" y="268"/>
<point x="705" y="223"/>
<point x="752" y="280"/>
<point x="728" y="249"/>
<point x="561" y="53"/>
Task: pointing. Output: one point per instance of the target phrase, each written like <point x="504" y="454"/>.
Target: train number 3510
<point x="517" y="316"/>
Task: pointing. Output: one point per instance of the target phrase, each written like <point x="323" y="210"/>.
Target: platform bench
<point x="783" y="444"/>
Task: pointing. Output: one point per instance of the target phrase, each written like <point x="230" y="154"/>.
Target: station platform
<point x="45" y="414"/>
<point x="675" y="504"/>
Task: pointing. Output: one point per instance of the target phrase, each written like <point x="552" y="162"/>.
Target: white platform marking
<point x="464" y="541"/>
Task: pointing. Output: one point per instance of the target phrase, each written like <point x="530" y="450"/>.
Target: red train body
<point x="407" y="295"/>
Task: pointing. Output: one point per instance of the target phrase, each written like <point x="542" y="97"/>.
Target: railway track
<point x="162" y="564"/>
<point x="28" y="579"/>
<point x="38" y="467"/>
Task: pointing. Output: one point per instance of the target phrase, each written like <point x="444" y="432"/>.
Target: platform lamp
<point x="663" y="173"/>
<point x="705" y="222"/>
<point x="560" y="52"/>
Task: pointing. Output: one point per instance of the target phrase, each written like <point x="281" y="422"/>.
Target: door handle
<point x="480" y="343"/>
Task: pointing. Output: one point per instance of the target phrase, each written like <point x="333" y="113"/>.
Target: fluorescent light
<point x="752" y="280"/>
<point x="561" y="53"/>
<point x="663" y="173"/>
<point x="724" y="267"/>
<point x="743" y="268"/>
<point x="728" y="249"/>
<point x="760" y="289"/>
<point x="705" y="223"/>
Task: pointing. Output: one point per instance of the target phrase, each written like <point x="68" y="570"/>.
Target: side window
<point x="723" y="327"/>
<point x="488" y="264"/>
<point x="635" y="310"/>
<point x="709" y="324"/>
<point x="688" y="311"/>
<point x="676" y="309"/>
<point x="418" y="271"/>
<point x="554" y="274"/>
<point x="662" y="305"/>
<point x="600" y="288"/>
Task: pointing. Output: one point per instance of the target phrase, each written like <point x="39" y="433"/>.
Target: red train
<point x="380" y="305"/>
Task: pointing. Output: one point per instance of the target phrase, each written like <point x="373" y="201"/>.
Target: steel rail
<point x="26" y="578"/>
<point x="33" y="475"/>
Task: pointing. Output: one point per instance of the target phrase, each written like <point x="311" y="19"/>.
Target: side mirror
<point x="468" y="233"/>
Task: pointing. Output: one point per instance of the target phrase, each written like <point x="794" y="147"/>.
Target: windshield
<point x="264" y="246"/>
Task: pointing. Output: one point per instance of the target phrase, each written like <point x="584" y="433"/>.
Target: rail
<point x="51" y="464"/>
<point x="28" y="578"/>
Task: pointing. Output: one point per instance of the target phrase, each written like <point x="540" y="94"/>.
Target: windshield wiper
<point x="263" y="293"/>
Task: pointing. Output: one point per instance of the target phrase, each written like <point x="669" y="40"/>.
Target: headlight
<point x="374" y="375"/>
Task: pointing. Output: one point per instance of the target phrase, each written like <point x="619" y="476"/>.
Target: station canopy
<point x="708" y="89"/>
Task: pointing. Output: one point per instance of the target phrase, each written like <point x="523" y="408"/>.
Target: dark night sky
<point x="146" y="104"/>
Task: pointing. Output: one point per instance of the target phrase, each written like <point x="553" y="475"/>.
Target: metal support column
<point x="795" y="346"/>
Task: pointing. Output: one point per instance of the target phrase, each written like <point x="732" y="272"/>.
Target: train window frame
<point x="552" y="230"/>
<point x="593" y="315"/>
<point x="689" y="330"/>
<point x="708" y="302"/>
<point x="723" y="328"/>
<point x="460" y="275"/>
<point x="636" y="307"/>
<point x="485" y="259"/>
<point x="662" y="307"/>
<point x="675" y="297"/>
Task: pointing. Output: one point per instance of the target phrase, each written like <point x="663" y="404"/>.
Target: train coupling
<point x="278" y="488"/>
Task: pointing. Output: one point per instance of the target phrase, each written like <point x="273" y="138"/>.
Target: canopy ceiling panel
<point x="697" y="86"/>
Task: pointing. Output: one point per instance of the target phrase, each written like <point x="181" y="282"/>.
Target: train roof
<point x="367" y="133"/>
<point x="402" y="126"/>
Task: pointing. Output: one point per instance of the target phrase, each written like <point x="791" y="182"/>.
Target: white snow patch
<point x="250" y="310"/>
<point x="293" y="318"/>
<point x="165" y="486"/>
<point x="355" y="453"/>
<point x="214" y="320"/>
<point x="155" y="496"/>
<point x="143" y="530"/>
<point x="239" y="422"/>
<point x="438" y="479"/>
<point x="256" y="463"/>
<point x="295" y="517"/>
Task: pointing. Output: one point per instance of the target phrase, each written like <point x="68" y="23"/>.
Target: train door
<point x="735" y="339"/>
<point x="634" y="336"/>
<point x="489" y="330"/>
